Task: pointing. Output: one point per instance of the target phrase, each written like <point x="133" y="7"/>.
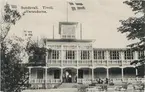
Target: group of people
<point x="101" y="81"/>
<point x="67" y="78"/>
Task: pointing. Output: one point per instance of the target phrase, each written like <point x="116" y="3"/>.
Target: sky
<point x="100" y="20"/>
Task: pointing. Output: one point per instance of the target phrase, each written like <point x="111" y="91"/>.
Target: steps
<point x="68" y="85"/>
<point x="53" y="90"/>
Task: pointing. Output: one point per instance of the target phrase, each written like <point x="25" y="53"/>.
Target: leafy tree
<point x="135" y="29"/>
<point x="14" y="74"/>
<point x="9" y="18"/>
<point x="36" y="53"/>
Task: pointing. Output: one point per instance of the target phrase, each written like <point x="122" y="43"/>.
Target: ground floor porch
<point x="43" y="75"/>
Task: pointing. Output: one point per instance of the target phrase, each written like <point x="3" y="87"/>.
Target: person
<point x="69" y="78"/>
<point x="106" y="81"/>
<point x="76" y="78"/>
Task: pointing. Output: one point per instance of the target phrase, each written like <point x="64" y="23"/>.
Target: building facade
<point x="72" y="60"/>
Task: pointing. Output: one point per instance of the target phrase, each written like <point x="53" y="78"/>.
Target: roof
<point x="67" y="40"/>
<point x="111" y="48"/>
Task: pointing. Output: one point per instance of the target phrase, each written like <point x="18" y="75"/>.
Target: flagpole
<point x="67" y="11"/>
<point x="81" y="31"/>
<point x="53" y="31"/>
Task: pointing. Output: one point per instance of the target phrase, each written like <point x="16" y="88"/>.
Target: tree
<point x="14" y="74"/>
<point x="9" y="18"/>
<point x="135" y="29"/>
<point x="36" y="53"/>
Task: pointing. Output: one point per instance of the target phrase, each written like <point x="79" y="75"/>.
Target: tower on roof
<point x="67" y="30"/>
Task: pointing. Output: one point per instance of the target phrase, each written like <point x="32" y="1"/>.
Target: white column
<point x="107" y="73"/>
<point x="122" y="57"/>
<point x="122" y="73"/>
<point x="61" y="75"/>
<point x="107" y="57"/>
<point x="136" y="71"/>
<point x="92" y="57"/>
<point x="46" y="77"/>
<point x="29" y="74"/>
<point x="136" y="55"/>
<point x="92" y="74"/>
<point x="77" y="54"/>
<point x="62" y="55"/>
<point x="77" y="76"/>
<point x="46" y="58"/>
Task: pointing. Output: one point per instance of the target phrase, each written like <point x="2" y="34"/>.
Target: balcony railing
<point x="85" y="62"/>
<point x="69" y="63"/>
<point x="127" y="62"/>
<point x="54" y="63"/>
<point x="115" y="62"/>
<point x="40" y="63"/>
<point x="100" y="62"/>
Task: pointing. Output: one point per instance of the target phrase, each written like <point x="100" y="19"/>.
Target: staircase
<point x="68" y="85"/>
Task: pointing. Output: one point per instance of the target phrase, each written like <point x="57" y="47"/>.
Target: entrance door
<point x="69" y="75"/>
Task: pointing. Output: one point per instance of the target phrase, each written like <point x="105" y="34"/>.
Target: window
<point x="99" y="54"/>
<point x="70" y="54"/>
<point x="128" y="54"/>
<point x="141" y="54"/>
<point x="114" y="55"/>
<point x="85" y="54"/>
<point x="55" y="54"/>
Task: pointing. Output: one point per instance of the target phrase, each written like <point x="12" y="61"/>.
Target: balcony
<point x="115" y="62"/>
<point x="127" y="62"/>
<point x="54" y="63"/>
<point x="100" y="62"/>
<point x="69" y="63"/>
<point x="40" y="63"/>
<point x="85" y="62"/>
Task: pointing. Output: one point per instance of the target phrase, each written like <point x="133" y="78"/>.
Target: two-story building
<point x="74" y="60"/>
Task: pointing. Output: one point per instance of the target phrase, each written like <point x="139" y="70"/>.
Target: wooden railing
<point x="69" y="62"/>
<point x="100" y="62"/>
<point x="85" y="62"/>
<point x="54" y="63"/>
<point x="88" y="62"/>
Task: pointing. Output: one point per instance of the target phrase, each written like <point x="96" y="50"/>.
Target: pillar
<point x="45" y="78"/>
<point x="92" y="74"/>
<point x="107" y="73"/>
<point x="122" y="57"/>
<point x="136" y="72"/>
<point x="61" y="55"/>
<point x="122" y="73"/>
<point x="46" y="58"/>
<point x="107" y="57"/>
<point x="61" y="75"/>
<point x="77" y="76"/>
<point x="136" y="55"/>
<point x="77" y="55"/>
<point x="92" y="57"/>
<point x="29" y="74"/>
